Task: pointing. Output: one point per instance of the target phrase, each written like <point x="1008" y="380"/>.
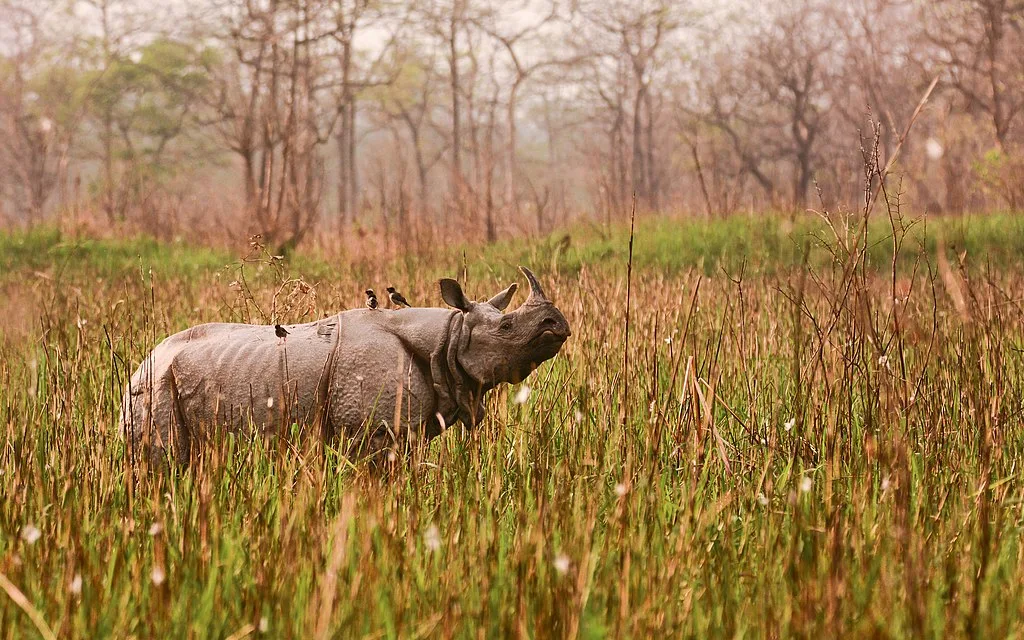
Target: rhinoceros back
<point x="233" y="375"/>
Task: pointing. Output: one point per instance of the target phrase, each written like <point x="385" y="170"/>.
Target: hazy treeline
<point x="482" y="118"/>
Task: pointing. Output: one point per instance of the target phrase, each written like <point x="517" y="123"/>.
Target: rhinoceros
<point x="366" y="378"/>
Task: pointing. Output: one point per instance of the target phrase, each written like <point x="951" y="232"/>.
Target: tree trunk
<point x="994" y="31"/>
<point x="341" y="138"/>
<point x="554" y="158"/>
<point x="488" y="172"/>
<point x="108" y="165"/>
<point x="803" y="181"/>
<point x="638" y="169"/>
<point x="619" y="154"/>
<point x="511" y="148"/>
<point x="421" y="173"/>
<point x="344" y="137"/>
<point x="250" y="178"/>
<point x="652" y="175"/>
<point x="108" y="121"/>
<point x="353" y="174"/>
<point x="453" y="66"/>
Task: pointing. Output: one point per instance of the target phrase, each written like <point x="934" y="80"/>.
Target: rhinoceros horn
<point x="536" y="292"/>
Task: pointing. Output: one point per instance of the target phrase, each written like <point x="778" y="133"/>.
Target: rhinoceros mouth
<point x="547" y="345"/>
<point x="549" y="337"/>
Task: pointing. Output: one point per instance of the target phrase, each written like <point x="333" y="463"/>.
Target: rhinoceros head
<point x="505" y="347"/>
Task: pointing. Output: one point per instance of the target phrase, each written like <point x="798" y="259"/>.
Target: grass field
<point x="807" y="437"/>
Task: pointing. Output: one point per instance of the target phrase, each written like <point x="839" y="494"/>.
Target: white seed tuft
<point x="30" y="533"/>
<point x="562" y="564"/>
<point x="432" y="538"/>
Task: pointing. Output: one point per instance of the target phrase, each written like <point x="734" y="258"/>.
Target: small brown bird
<point x="371" y="299"/>
<point x="281" y="333"/>
<point x="397" y="299"/>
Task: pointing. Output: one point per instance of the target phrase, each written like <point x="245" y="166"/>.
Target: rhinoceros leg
<point x="151" y="417"/>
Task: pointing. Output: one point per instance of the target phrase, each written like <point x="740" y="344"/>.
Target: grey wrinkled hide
<point x="342" y="376"/>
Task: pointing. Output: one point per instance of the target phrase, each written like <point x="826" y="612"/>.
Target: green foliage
<point x="1002" y="174"/>
<point x="763" y="244"/>
<point x="149" y="97"/>
<point x="46" y="249"/>
<point x="758" y="245"/>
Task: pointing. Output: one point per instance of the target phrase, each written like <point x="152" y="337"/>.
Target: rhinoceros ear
<point x="451" y="293"/>
<point x="501" y="300"/>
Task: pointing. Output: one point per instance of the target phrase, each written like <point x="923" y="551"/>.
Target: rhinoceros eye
<point x="506" y="324"/>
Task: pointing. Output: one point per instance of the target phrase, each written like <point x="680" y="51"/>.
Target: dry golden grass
<point x="790" y="453"/>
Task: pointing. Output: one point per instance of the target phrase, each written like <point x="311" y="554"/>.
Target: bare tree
<point x="775" y="104"/>
<point x="498" y="116"/>
<point x="119" y="25"/>
<point x="27" y="124"/>
<point x="447" y="22"/>
<point x="634" y="36"/>
<point x="880" y="61"/>
<point x="274" y="112"/>
<point x="726" y="105"/>
<point x="412" y="101"/>
<point x="981" y="44"/>
<point x="350" y="18"/>
<point x="528" y="34"/>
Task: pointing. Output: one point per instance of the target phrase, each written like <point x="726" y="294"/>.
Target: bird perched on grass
<point x="397" y="299"/>
<point x="371" y="299"/>
<point x="281" y="333"/>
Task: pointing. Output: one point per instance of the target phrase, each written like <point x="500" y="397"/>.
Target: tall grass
<point x="817" y="443"/>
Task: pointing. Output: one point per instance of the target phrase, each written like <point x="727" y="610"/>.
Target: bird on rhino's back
<point x="353" y="376"/>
